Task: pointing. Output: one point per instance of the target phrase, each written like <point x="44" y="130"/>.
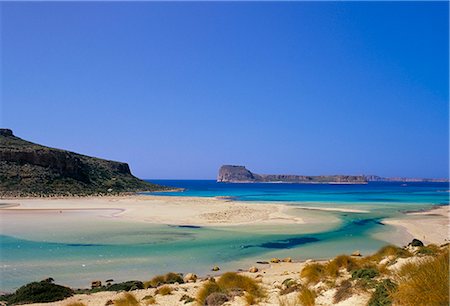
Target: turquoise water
<point x="81" y="247"/>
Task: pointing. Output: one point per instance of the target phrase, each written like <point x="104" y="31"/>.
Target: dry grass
<point x="430" y="249"/>
<point x="424" y="283"/>
<point x="206" y="290"/>
<point x="313" y="273"/>
<point x="76" y="304"/>
<point x="149" y="300"/>
<point x="164" y="290"/>
<point x="286" y="301"/>
<point x="158" y="280"/>
<point x="231" y="282"/>
<point x="306" y="297"/>
<point x="343" y="292"/>
<point x="127" y="299"/>
<point x="390" y="250"/>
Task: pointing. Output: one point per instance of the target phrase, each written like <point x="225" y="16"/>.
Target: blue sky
<point x="178" y="89"/>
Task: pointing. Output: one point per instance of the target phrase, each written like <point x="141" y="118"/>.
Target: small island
<point x="240" y="174"/>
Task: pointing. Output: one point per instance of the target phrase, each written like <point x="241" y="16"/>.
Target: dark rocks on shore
<point x="416" y="243"/>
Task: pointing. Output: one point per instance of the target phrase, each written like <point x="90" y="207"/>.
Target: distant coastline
<point x="240" y="174"/>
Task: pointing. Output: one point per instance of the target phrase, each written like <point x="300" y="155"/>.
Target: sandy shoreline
<point x="431" y="226"/>
<point x="173" y="210"/>
<point x="162" y="209"/>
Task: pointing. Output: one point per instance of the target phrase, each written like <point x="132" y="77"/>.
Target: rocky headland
<point x="240" y="174"/>
<point x="29" y="169"/>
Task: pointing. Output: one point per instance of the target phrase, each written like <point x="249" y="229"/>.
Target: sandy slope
<point x="429" y="226"/>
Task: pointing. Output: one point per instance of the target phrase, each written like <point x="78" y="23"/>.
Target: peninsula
<point x="29" y="169"/>
<point x="240" y="174"/>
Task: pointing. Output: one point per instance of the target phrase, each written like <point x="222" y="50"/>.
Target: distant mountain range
<point x="240" y="174"/>
<point x="29" y="169"/>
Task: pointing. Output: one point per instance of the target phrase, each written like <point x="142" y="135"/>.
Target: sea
<point x="82" y="246"/>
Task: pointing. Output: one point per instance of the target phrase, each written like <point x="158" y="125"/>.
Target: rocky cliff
<point x="28" y="169"/>
<point x="240" y="174"/>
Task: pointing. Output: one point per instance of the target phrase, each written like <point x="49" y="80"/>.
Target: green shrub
<point x="381" y="296"/>
<point x="40" y="292"/>
<point x="365" y="273"/>
<point x="430" y="249"/>
<point x="125" y="286"/>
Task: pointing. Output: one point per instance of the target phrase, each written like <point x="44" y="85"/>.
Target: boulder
<point x="190" y="278"/>
<point x="275" y="260"/>
<point x="287" y="259"/>
<point x="253" y="270"/>
<point x="416" y="243"/>
<point x="356" y="253"/>
<point x="215" y="268"/>
<point x="216" y="299"/>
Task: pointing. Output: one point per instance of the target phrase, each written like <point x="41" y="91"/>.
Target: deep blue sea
<point x="84" y="247"/>
<point x="373" y="192"/>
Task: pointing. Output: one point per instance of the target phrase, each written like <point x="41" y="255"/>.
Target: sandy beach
<point x="430" y="226"/>
<point x="173" y="210"/>
<point x="270" y="276"/>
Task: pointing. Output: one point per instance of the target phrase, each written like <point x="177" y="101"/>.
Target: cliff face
<point x="240" y="174"/>
<point x="28" y="169"/>
<point x="229" y="173"/>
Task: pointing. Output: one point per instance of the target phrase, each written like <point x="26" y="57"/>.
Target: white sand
<point x="174" y="210"/>
<point x="429" y="226"/>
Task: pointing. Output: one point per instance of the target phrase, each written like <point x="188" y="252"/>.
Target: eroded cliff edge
<point x="29" y="169"/>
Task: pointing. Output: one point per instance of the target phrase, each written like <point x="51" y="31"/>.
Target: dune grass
<point x="164" y="290"/>
<point x="158" y="280"/>
<point x="127" y="299"/>
<point x="306" y="297"/>
<point x="313" y="273"/>
<point x="207" y="289"/>
<point x="343" y="291"/>
<point x="424" y="282"/>
<point x="231" y="282"/>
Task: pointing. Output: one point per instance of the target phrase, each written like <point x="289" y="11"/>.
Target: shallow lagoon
<point x="80" y="246"/>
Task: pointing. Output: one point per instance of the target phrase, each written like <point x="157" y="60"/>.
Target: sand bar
<point x="163" y="209"/>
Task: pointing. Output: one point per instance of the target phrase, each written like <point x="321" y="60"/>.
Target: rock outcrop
<point x="29" y="169"/>
<point x="240" y="174"/>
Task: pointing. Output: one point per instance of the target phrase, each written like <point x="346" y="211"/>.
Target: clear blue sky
<point x="178" y="89"/>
